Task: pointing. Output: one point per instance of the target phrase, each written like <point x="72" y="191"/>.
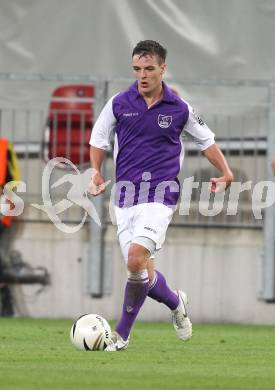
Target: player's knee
<point x="137" y="258"/>
<point x="135" y="263"/>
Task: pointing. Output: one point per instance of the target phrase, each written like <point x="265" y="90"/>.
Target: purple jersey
<point x="148" y="144"/>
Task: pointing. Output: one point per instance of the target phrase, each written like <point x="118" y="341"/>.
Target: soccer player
<point x="148" y="121"/>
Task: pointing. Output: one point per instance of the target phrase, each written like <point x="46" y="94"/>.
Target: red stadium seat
<point x="69" y="123"/>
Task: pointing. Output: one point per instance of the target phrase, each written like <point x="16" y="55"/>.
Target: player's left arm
<point x="216" y="157"/>
<point x="205" y="140"/>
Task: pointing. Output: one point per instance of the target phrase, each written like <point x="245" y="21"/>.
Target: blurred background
<point x="59" y="63"/>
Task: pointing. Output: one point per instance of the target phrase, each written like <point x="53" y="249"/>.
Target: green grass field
<point x="37" y="354"/>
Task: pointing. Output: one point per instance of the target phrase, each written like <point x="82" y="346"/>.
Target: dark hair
<point x="144" y="48"/>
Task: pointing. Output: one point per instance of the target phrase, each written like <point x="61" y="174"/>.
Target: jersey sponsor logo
<point x="130" y="114"/>
<point x="164" y="121"/>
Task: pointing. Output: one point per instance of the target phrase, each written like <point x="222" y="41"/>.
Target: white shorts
<point x="148" y="220"/>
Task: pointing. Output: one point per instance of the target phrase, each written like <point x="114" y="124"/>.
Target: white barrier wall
<point x="219" y="268"/>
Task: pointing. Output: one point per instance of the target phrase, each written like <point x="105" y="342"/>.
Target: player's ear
<point x="163" y="68"/>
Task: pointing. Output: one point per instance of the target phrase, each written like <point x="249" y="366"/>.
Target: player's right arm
<point x="99" y="143"/>
<point x="97" y="157"/>
<point x="273" y="164"/>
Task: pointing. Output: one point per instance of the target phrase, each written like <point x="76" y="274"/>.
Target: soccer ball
<point x="90" y="332"/>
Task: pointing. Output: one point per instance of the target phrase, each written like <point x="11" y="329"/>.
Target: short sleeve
<point x="199" y="131"/>
<point x="103" y="127"/>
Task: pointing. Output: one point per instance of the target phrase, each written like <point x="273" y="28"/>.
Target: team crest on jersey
<point x="164" y="121"/>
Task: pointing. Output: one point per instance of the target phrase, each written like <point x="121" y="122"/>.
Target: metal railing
<point x="241" y="127"/>
<point x="24" y="121"/>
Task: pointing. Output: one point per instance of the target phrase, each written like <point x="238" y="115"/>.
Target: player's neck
<point x="153" y="97"/>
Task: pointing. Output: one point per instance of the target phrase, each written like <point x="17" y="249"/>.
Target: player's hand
<point x="97" y="185"/>
<point x="273" y="164"/>
<point x="219" y="184"/>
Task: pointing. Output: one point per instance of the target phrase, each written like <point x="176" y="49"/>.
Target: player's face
<point x="148" y="73"/>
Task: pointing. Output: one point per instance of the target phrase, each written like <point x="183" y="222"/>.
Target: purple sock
<point x="136" y="291"/>
<point x="159" y="291"/>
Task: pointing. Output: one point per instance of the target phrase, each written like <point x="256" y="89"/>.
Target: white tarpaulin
<point x="205" y="38"/>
